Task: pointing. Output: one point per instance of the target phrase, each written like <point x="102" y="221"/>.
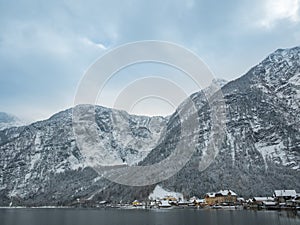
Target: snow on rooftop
<point x="227" y="192"/>
<point x="222" y="192"/>
<point x="262" y="199"/>
<point x="285" y="193"/>
<point x="196" y="199"/>
<point x="211" y="195"/>
<point x="269" y="203"/>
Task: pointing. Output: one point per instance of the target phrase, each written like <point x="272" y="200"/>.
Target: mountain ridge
<point x="260" y="151"/>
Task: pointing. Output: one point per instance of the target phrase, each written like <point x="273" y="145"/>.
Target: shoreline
<point x="241" y="208"/>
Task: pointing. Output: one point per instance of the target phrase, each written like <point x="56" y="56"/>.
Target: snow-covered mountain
<point x="34" y="157"/>
<point x="260" y="151"/>
<point x="261" y="148"/>
<point x="9" y="120"/>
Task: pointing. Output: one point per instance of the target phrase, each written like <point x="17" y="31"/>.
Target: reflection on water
<point x="290" y="214"/>
<point x="150" y="217"/>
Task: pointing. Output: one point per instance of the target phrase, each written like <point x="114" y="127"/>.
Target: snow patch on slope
<point x="276" y="154"/>
<point x="160" y="193"/>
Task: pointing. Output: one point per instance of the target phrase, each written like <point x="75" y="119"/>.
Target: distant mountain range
<point x="9" y="120"/>
<point x="42" y="165"/>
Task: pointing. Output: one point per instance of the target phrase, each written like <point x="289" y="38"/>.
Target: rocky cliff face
<point x="261" y="148"/>
<point x="259" y="152"/>
<point x="41" y="163"/>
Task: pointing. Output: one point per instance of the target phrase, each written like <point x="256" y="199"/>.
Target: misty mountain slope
<point x="260" y="151"/>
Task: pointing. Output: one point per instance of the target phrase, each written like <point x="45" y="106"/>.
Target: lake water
<point x="145" y="217"/>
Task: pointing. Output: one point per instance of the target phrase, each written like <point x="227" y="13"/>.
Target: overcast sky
<point x="45" y="46"/>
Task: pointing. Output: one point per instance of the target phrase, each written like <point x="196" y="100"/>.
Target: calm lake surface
<point x="145" y="217"/>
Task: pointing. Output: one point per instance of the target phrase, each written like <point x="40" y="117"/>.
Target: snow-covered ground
<point x="160" y="193"/>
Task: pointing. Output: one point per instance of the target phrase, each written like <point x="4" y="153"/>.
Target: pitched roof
<point x="221" y="192"/>
<point x="211" y="195"/>
<point x="285" y="193"/>
<point x="263" y="199"/>
<point x="269" y="203"/>
<point x="227" y="192"/>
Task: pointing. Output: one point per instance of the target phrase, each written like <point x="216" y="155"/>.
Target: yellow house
<point x="136" y="203"/>
<point x="222" y="196"/>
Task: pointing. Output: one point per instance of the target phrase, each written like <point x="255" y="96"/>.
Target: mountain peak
<point x="284" y="55"/>
<point x="285" y="50"/>
<point x="279" y="67"/>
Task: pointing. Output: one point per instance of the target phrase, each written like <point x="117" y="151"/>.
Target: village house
<point x="223" y="196"/>
<point x="281" y="196"/>
<point x="136" y="203"/>
<point x="170" y="198"/>
<point x="262" y="200"/>
<point x="194" y="201"/>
